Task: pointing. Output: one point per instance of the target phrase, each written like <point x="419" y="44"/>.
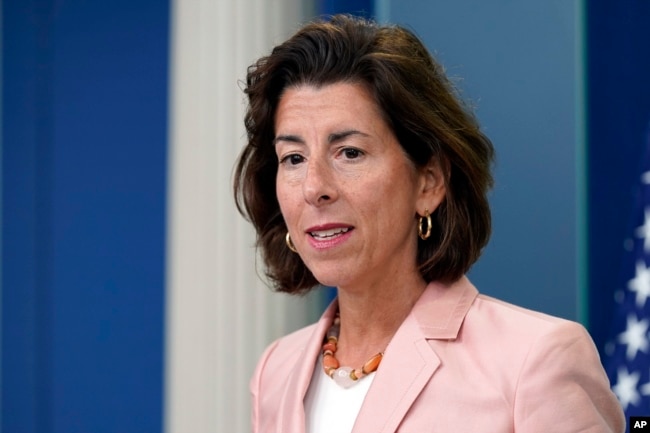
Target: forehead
<point x="340" y="101"/>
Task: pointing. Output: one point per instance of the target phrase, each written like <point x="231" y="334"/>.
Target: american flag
<point x="627" y="354"/>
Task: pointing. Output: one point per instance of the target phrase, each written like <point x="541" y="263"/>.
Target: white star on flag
<point x="640" y="284"/>
<point x="645" y="388"/>
<point x="643" y="232"/>
<point x="625" y="388"/>
<point x="635" y="336"/>
<point x="645" y="178"/>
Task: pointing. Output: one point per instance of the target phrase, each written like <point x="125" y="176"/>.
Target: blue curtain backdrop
<point x="84" y="121"/>
<point x="618" y="120"/>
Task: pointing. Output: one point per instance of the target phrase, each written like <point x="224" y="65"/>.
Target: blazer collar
<point x="410" y="361"/>
<point x="441" y="309"/>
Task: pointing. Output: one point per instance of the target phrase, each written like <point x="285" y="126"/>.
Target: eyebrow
<point x="289" y="138"/>
<point x="332" y="138"/>
<point x="339" y="136"/>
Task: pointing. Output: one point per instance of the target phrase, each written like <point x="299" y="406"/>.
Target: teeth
<point x="329" y="233"/>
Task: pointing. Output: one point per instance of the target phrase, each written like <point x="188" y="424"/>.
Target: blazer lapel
<point x="407" y="366"/>
<point x="291" y="418"/>
<point x="410" y="362"/>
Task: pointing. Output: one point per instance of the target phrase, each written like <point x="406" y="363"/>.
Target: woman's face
<point x="347" y="191"/>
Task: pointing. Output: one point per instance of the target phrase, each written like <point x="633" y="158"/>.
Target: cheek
<point x="393" y="188"/>
<point x="397" y="199"/>
<point x="286" y="202"/>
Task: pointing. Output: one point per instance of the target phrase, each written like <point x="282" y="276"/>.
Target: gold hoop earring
<point x="424" y="235"/>
<point x="287" y="239"/>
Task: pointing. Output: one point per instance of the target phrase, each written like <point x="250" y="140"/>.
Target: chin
<point x="330" y="278"/>
<point x="333" y="279"/>
<point x="333" y="274"/>
<point x="329" y="282"/>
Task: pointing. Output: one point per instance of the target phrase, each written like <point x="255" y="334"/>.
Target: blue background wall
<point x="84" y="125"/>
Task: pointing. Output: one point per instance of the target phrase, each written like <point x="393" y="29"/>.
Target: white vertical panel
<point x="220" y="315"/>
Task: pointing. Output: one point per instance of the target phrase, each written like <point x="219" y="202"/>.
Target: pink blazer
<point x="460" y="362"/>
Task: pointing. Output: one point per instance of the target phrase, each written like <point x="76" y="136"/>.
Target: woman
<point x="363" y="171"/>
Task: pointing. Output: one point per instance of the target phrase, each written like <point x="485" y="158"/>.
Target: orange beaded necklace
<point x="344" y="376"/>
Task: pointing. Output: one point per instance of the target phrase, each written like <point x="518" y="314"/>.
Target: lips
<point x="329" y="233"/>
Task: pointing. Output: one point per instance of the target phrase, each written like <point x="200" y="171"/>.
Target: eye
<point x="351" y="153"/>
<point x="292" y="159"/>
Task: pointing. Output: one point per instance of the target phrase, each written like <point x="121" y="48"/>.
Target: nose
<point x="319" y="185"/>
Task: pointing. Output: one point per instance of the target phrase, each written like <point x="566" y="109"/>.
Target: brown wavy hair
<point x="421" y="107"/>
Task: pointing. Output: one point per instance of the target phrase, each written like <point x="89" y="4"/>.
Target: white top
<point x="330" y="408"/>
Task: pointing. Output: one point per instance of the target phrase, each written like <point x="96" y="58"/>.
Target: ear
<point x="433" y="187"/>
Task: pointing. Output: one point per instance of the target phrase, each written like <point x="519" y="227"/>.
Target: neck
<point x="370" y="318"/>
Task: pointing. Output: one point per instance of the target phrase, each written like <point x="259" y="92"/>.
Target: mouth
<point x="323" y="235"/>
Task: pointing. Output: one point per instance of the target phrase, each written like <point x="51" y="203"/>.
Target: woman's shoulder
<point x="550" y="362"/>
<point x="448" y="311"/>
<point x="288" y="345"/>
<point x="516" y="330"/>
<point x="513" y="317"/>
<point x="293" y="349"/>
<point x="278" y="362"/>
